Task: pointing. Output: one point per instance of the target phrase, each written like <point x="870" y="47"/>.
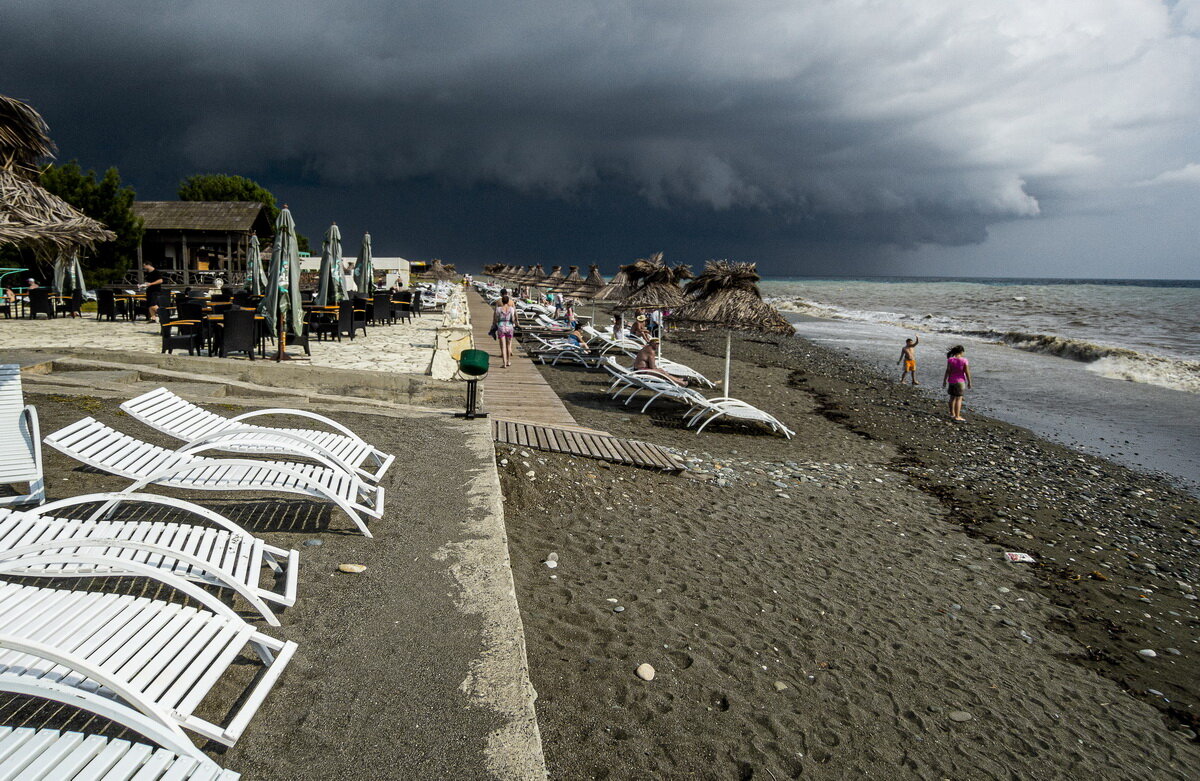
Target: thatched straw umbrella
<point x="570" y="283"/>
<point x="655" y="286"/>
<point x="592" y="285"/>
<point x="617" y="288"/>
<point x="726" y="295"/>
<point x="553" y="278"/>
<point x="439" y="271"/>
<point x="31" y="216"/>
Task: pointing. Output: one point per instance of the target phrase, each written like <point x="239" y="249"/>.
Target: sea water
<point x="1111" y="367"/>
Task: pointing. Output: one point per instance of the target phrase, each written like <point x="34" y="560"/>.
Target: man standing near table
<point x="153" y="287"/>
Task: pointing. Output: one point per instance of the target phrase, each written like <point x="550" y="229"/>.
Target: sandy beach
<point x="840" y="605"/>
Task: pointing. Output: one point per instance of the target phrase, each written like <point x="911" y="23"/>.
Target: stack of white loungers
<point x="143" y="663"/>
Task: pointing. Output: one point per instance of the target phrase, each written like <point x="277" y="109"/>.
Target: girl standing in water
<point x="505" y="320"/>
<point x="956" y="380"/>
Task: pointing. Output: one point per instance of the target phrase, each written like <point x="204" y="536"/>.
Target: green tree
<point x="107" y="200"/>
<point x="230" y="187"/>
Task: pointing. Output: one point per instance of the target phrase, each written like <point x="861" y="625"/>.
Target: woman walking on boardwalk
<point x="505" y="320"/>
<point x="956" y="380"/>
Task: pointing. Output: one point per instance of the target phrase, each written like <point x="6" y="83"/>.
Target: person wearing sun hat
<point x="647" y="361"/>
<point x="639" y="330"/>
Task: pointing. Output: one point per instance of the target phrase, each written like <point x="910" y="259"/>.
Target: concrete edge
<point x="499" y="677"/>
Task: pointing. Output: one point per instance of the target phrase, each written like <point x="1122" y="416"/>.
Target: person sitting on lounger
<point x="647" y="360"/>
<point x="639" y="330"/>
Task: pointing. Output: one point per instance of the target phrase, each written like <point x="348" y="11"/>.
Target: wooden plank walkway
<point x="518" y="392"/>
<point x="585" y="443"/>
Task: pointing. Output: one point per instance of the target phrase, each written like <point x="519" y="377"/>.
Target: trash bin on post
<point x="473" y="364"/>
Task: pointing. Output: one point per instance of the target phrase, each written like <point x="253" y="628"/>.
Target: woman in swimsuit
<point x="956" y="380"/>
<point x="505" y="320"/>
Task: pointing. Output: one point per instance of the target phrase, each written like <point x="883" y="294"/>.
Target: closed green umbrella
<point x="282" y="301"/>
<point x="331" y="287"/>
<point x="256" y="275"/>
<point x="364" y="269"/>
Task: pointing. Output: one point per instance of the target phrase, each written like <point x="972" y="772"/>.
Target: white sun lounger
<point x="176" y="417"/>
<point x="95" y="444"/>
<point x="20" y="442"/>
<point x="708" y="410"/>
<point x="219" y="553"/>
<point x="50" y="755"/>
<point x="143" y="663"/>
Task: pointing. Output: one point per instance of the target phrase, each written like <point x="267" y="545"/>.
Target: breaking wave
<point x="1119" y="363"/>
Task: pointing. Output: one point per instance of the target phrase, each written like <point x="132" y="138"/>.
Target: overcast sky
<point x="1025" y="137"/>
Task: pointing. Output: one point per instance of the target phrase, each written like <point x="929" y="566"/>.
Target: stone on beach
<point x="352" y="569"/>
<point x="645" y="672"/>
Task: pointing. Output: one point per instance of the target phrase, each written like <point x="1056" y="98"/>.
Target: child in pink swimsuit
<point x="956" y="380"/>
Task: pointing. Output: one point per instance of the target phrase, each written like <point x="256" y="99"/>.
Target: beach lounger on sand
<point x="676" y="369"/>
<point x="712" y="409"/>
<point x="104" y="448"/>
<point x="143" y="663"/>
<point x="62" y="756"/>
<point x="217" y="553"/>
<point x="176" y="417"/>
<point x="20" y="442"/>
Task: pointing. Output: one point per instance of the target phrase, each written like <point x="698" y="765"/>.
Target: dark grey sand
<point x="839" y="606"/>
<point x="378" y="686"/>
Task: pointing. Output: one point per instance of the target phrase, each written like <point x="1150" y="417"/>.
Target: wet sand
<point x="839" y="605"/>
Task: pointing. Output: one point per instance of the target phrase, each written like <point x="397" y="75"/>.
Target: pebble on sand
<point x="960" y="715"/>
<point x="1149" y="653"/>
<point x="780" y="686"/>
<point x="352" y="569"/>
<point x="313" y="543"/>
<point x="645" y="672"/>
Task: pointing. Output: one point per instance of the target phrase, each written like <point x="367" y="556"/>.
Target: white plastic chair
<point x="20" y="440"/>
<point x="176" y="417"/>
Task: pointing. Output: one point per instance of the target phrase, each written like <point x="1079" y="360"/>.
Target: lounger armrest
<point x="35" y="437"/>
<point x="80" y="665"/>
<point x="109" y="500"/>
<point x="224" y="437"/>
<point x="300" y="413"/>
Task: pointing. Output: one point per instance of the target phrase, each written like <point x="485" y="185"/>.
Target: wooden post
<point x="141" y="272"/>
<point x="228" y="258"/>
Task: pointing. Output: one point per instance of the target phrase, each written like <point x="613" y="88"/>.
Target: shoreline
<point x="901" y="519"/>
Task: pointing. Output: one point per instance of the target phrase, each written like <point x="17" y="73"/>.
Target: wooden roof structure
<point x="216" y="216"/>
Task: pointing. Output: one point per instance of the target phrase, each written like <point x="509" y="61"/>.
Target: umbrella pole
<point x="281" y="354"/>
<point x="728" y="345"/>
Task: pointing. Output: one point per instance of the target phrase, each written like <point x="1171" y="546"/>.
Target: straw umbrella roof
<point x="594" y="283"/>
<point x="439" y="271"/>
<point x="616" y="289"/>
<point x="655" y="286"/>
<point x="727" y="295"/>
<point x="553" y="278"/>
<point x="29" y="214"/>
<point x="570" y="282"/>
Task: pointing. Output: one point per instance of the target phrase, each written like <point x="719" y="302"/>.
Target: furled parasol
<point x="331" y="282"/>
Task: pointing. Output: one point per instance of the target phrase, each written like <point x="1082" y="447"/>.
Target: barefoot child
<point x="956" y="380"/>
<point x="908" y="356"/>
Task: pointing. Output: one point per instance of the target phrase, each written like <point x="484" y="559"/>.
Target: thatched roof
<point x="439" y="271"/>
<point x="553" y="278"/>
<point x="727" y="295"/>
<point x="654" y="284"/>
<point x="617" y="288"/>
<point x="571" y="282"/>
<point x="24" y="137"/>
<point x="220" y="216"/>
<point x="30" y="215"/>
<point x="592" y="285"/>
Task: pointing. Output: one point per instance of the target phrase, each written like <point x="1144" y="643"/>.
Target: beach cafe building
<point x="200" y="242"/>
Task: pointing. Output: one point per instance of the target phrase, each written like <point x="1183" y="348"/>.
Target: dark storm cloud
<point x="755" y="123"/>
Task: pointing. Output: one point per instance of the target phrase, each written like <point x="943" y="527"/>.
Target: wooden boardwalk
<point x="589" y="444"/>
<point x="519" y="392"/>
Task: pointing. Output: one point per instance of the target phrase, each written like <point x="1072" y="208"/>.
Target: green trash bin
<point x="473" y="363"/>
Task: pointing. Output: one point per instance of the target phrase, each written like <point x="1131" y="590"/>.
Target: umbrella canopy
<point x="592" y="285"/>
<point x="655" y="286"/>
<point x="283" y="288"/>
<point x="552" y="279"/>
<point x="256" y="272"/>
<point x="30" y="215"/>
<point x="331" y="282"/>
<point x="364" y="268"/>
<point x="570" y="282"/>
<point x="727" y="295"/>
<point x="68" y="275"/>
<point x="616" y="289"/>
